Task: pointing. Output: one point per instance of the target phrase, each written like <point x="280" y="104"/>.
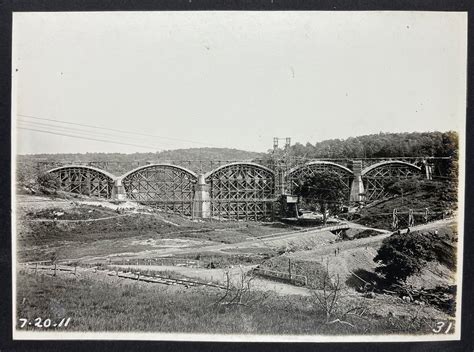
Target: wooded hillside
<point x="177" y="154"/>
<point x="382" y="145"/>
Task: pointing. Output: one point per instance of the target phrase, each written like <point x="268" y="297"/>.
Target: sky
<point x="174" y="80"/>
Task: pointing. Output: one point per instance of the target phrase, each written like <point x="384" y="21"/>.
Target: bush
<point x="48" y="183"/>
<point x="403" y="255"/>
<point x="399" y="187"/>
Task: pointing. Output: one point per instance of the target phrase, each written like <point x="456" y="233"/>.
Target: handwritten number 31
<point x="440" y="325"/>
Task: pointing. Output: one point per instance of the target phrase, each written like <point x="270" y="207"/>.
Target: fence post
<point x="55" y="269"/>
<point x="138" y="278"/>
<point x="411" y="218"/>
<point x="289" y="267"/>
<point x="75" y="270"/>
<point x="395" y="219"/>
<point x="36" y="268"/>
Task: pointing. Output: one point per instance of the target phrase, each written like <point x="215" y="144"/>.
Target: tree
<point x="48" y="183"/>
<point x="382" y="145"/>
<point x="239" y="292"/>
<point x="403" y="255"/>
<point x="324" y="189"/>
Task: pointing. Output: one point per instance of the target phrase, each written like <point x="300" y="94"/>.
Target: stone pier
<point x="118" y="192"/>
<point x="201" y="200"/>
<point x="357" y="187"/>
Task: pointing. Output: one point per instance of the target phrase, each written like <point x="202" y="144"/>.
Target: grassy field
<point x="98" y="302"/>
<point x="40" y="237"/>
<point x="105" y="305"/>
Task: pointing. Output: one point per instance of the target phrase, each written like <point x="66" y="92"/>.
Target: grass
<point x="313" y="271"/>
<point x="38" y="240"/>
<point x="224" y="260"/>
<point x="424" y="196"/>
<point x="76" y="213"/>
<point x="103" y="305"/>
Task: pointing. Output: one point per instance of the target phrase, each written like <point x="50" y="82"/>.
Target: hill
<point x="196" y="159"/>
<point x="177" y="154"/>
<point x="383" y="145"/>
<point x="429" y="200"/>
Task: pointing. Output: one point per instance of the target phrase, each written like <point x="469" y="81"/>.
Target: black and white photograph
<point x="280" y="176"/>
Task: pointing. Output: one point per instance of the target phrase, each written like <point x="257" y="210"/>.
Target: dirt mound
<point x="346" y="258"/>
<point x="304" y="241"/>
<point x="355" y="233"/>
<point x="71" y="213"/>
<point x="432" y="275"/>
<point x="341" y="265"/>
<point x="425" y="195"/>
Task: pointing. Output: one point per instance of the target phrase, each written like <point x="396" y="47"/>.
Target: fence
<point x="295" y="279"/>
<point x="158" y="261"/>
<point x="132" y="275"/>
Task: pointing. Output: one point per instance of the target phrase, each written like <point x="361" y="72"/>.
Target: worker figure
<point x="408" y="230"/>
<point x="335" y="252"/>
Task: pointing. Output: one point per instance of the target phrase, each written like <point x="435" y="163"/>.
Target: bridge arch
<point x="164" y="186"/>
<point x="85" y="180"/>
<point x="376" y="177"/>
<point x="398" y="163"/>
<point x="318" y="166"/>
<point x="242" y="190"/>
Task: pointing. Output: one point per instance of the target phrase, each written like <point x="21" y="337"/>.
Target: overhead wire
<point x="72" y="130"/>
<point x="89" y="138"/>
<point x="91" y="134"/>
<point x="113" y="129"/>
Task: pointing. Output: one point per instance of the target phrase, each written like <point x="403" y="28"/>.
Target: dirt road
<point x="343" y="258"/>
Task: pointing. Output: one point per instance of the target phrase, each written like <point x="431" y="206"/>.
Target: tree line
<point x="382" y="145"/>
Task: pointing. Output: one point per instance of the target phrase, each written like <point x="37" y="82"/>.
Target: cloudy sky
<point x="167" y="80"/>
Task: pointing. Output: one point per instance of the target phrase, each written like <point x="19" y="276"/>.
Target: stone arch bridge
<point x="236" y="190"/>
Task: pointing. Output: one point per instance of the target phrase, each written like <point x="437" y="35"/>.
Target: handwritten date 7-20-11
<point x="44" y="323"/>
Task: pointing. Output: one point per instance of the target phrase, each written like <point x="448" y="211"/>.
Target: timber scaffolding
<point x="254" y="190"/>
<point x="202" y="166"/>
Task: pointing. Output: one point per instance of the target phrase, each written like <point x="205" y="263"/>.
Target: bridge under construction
<point x="241" y="190"/>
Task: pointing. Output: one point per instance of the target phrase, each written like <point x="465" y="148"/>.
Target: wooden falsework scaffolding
<point x="242" y="192"/>
<point x="375" y="180"/>
<point x="239" y="190"/>
<point x="165" y="187"/>
<point x="84" y="180"/>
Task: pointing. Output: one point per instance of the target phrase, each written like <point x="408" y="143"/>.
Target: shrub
<point x="402" y="186"/>
<point x="48" y="183"/>
<point x="403" y="255"/>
